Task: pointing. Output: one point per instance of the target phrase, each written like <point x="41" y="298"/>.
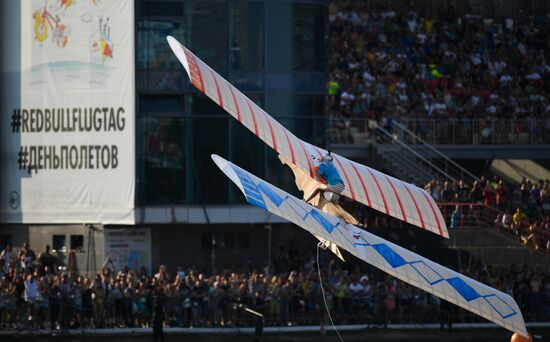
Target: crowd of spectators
<point x="522" y="209"/>
<point x="396" y="64"/>
<point x="36" y="292"/>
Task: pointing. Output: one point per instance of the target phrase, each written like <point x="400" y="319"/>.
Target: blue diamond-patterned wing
<point x="394" y="259"/>
<point x="410" y="267"/>
<point x="465" y="290"/>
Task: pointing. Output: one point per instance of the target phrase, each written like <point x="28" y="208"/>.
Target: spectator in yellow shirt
<point x="517" y="218"/>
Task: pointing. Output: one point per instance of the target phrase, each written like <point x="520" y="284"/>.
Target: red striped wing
<point x="363" y="184"/>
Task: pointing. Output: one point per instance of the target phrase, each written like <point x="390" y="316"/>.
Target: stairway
<point x="399" y="150"/>
<point x="480" y="217"/>
<point x="497" y="249"/>
<point x="399" y="164"/>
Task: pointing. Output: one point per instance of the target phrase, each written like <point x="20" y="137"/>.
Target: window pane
<point x="203" y="105"/>
<point x="210" y="135"/>
<point x="278" y="57"/>
<point x="309" y="23"/>
<point x="158" y="69"/>
<point x="310" y="123"/>
<point x="229" y="240"/>
<point x="77" y="241"/>
<point x="150" y="8"/>
<point x="209" y="37"/>
<point x="206" y="241"/>
<point x="160" y="106"/>
<point x="244" y="240"/>
<point x="248" y="152"/>
<point x="58" y="242"/>
<point x="247" y="36"/>
<point x="308" y="82"/>
<point x="162" y="159"/>
<point x="152" y="50"/>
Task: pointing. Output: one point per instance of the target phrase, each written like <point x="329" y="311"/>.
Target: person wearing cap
<point x="329" y="177"/>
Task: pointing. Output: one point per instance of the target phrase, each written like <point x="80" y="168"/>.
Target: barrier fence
<point x="476" y="215"/>
<point x="448" y="131"/>
<point x="411" y="307"/>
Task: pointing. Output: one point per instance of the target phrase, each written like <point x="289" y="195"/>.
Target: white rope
<point x="323" y="291"/>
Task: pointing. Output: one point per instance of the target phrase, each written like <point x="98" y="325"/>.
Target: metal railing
<point x="411" y="306"/>
<point x="450" y="167"/>
<point x="404" y="161"/>
<point x="349" y="131"/>
<point x="476" y="215"/>
<point x="451" y="131"/>
<point x="486" y="9"/>
<point x="495" y="131"/>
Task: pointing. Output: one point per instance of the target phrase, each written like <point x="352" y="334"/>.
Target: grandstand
<point x="412" y="87"/>
<point x="451" y="96"/>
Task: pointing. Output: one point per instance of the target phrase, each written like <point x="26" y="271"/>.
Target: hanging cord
<point x="321" y="245"/>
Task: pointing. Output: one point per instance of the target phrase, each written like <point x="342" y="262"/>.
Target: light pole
<point x="213" y="252"/>
<point x="269" y="228"/>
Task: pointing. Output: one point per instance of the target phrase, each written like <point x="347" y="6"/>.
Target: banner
<point x="67" y="111"/>
<point x="128" y="247"/>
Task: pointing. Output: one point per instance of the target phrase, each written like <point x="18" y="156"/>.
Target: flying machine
<point x="326" y="222"/>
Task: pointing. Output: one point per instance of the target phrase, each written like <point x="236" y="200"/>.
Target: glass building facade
<point x="273" y="51"/>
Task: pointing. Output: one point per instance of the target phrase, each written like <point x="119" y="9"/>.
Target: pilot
<point x="331" y="184"/>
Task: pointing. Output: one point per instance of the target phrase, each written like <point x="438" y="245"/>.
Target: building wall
<point x="88" y="246"/>
<point x="273" y="51"/>
<point x="236" y="245"/>
<point x="173" y="245"/>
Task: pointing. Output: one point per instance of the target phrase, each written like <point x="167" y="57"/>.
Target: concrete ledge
<point x="194" y="214"/>
<point x="249" y="330"/>
<point x="460" y="151"/>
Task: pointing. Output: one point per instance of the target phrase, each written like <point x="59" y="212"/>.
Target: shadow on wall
<point x="10" y="102"/>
